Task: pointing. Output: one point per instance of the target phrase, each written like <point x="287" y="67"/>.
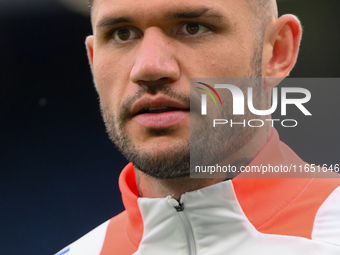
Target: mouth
<point x="159" y="112"/>
<point x="158" y="109"/>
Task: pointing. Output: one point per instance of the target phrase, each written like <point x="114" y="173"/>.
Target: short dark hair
<point x="90" y="4"/>
<point x="264" y="10"/>
<point x="259" y="6"/>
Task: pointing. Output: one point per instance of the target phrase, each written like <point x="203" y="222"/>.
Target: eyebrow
<point x="110" y="21"/>
<point x="191" y="14"/>
<point x="196" y="13"/>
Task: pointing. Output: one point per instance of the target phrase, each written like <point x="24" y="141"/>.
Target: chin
<point x="162" y="161"/>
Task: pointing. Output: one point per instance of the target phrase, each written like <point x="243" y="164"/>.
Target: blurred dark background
<point x="59" y="171"/>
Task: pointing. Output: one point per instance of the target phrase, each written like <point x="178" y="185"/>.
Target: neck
<point x="152" y="187"/>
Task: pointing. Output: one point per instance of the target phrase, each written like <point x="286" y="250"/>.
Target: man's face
<point x="144" y="53"/>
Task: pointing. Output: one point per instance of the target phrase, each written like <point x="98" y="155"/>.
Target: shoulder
<point x="304" y="207"/>
<point x="319" y="204"/>
<point x="92" y="243"/>
<point x="327" y="221"/>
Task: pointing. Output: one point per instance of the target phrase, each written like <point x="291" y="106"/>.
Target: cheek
<point x="231" y="61"/>
<point x="111" y="80"/>
<point x="218" y="61"/>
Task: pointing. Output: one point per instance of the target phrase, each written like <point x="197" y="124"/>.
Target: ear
<point x="89" y="48"/>
<point x="280" y="49"/>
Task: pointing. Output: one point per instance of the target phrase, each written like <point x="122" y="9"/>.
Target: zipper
<point x="189" y="233"/>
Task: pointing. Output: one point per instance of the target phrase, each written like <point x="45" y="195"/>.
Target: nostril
<point x="154" y="87"/>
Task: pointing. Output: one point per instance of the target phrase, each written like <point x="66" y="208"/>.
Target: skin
<point x="161" y="56"/>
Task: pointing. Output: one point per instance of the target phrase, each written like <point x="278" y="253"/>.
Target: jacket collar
<point x="268" y="191"/>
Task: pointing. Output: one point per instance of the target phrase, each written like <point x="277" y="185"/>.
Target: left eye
<point x="192" y="29"/>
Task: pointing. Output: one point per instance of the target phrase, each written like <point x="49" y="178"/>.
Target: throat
<point x="151" y="187"/>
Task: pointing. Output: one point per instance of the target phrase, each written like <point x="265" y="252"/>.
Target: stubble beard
<point x="170" y="164"/>
<point x="210" y="146"/>
<point x="175" y="162"/>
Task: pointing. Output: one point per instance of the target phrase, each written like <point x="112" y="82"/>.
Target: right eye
<point x="125" y="34"/>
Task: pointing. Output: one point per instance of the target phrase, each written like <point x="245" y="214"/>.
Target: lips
<point x="158" y="109"/>
<point x="159" y="112"/>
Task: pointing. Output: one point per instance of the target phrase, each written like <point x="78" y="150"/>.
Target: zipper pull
<point x="176" y="204"/>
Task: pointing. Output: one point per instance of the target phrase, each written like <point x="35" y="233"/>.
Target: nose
<point x="155" y="59"/>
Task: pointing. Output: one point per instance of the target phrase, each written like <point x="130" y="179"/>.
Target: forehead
<point x="159" y="10"/>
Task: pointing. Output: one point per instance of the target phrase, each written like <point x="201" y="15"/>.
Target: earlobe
<point x="89" y="48"/>
<point x="281" y="48"/>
